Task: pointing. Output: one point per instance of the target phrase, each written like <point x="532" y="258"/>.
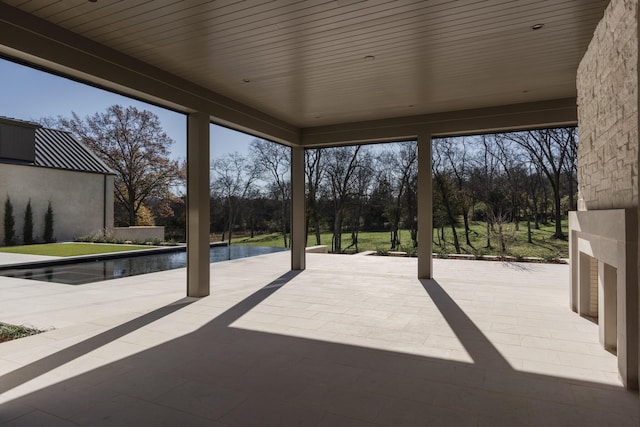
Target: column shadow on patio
<point x="221" y="375"/>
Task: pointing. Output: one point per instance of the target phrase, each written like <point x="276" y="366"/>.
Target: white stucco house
<point x="47" y="165"/>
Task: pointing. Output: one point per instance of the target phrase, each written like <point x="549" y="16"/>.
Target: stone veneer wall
<point x="607" y="84"/>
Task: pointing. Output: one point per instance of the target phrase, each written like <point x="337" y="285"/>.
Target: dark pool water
<point x="96" y="271"/>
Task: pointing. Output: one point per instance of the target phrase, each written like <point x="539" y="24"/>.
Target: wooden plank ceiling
<point x="318" y="62"/>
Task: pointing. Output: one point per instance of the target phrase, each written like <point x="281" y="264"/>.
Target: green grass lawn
<point x="543" y="245"/>
<point x="70" y="249"/>
<point x="367" y="240"/>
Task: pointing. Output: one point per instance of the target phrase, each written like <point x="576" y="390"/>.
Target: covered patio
<point x="316" y="74"/>
<point x="313" y="340"/>
<point x="350" y="341"/>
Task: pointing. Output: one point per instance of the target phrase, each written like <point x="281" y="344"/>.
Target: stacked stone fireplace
<point x="604" y="231"/>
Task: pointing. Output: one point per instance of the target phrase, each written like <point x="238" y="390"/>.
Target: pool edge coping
<point x="99" y="257"/>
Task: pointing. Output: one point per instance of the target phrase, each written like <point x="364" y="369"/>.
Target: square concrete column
<point x="198" y="205"/>
<point x="425" y="208"/>
<point x="298" y="211"/>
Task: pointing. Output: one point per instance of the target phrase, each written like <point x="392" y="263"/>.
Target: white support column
<point x="298" y="232"/>
<point x="198" y="205"/>
<point x="425" y="208"/>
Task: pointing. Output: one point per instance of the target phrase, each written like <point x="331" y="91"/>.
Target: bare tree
<point x="400" y="161"/>
<point x="314" y="173"/>
<point x="274" y="163"/>
<point x="233" y="178"/>
<point x="549" y="148"/>
<point x="342" y="164"/>
<point x="444" y="184"/>
<point x="132" y="143"/>
<point x="571" y="166"/>
<point x="533" y="185"/>
<point x="412" y="208"/>
<point x="511" y="160"/>
<point x="362" y="182"/>
<point x="484" y="182"/>
<point x="455" y="151"/>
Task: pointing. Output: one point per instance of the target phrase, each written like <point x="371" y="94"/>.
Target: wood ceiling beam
<point x="554" y="113"/>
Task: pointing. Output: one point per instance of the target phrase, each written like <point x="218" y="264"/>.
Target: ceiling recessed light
<point x="369" y="58"/>
<point x="246" y="80"/>
<point x="537" y="26"/>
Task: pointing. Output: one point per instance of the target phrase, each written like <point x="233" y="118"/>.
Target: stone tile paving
<point x="351" y="341"/>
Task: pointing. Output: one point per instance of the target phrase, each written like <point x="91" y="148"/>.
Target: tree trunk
<point x="544" y="209"/>
<point x="394" y="237"/>
<point x="284" y="235"/>
<point x="465" y="219"/>
<point x="572" y="205"/>
<point x="529" y="228"/>
<point x="313" y="214"/>
<point x="317" y="226"/>
<point x="536" y="214"/>
<point x="452" y="222"/>
<point x="337" y="233"/>
<point x="395" y="242"/>
<point x="132" y="214"/>
<point x="252" y="226"/>
<point x="450" y="216"/>
<point x="455" y="238"/>
<point x="307" y="221"/>
<point x="283" y="220"/>
<point x="337" y="242"/>
<point x="558" y="210"/>
<point x="488" y="246"/>
<point x="231" y="221"/>
<point x="354" y="234"/>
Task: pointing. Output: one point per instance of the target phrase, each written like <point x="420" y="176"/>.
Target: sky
<point x="30" y="94"/>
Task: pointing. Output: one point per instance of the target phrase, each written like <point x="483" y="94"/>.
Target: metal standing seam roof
<point x="59" y="149"/>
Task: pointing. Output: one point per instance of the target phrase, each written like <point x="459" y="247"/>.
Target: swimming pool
<point x="84" y="272"/>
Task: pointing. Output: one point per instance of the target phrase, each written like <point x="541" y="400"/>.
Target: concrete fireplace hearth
<point x="604" y="281"/>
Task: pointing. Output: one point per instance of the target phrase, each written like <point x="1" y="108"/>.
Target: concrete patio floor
<point x="351" y="341"/>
